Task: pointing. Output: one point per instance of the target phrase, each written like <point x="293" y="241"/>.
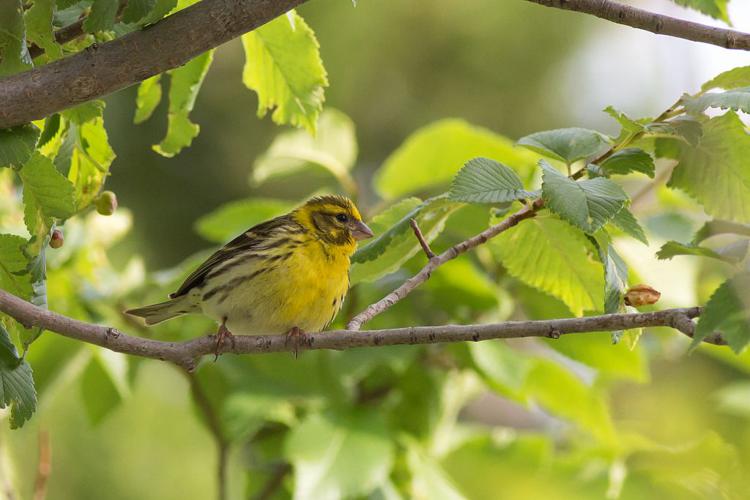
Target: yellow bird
<point x="286" y="275"/>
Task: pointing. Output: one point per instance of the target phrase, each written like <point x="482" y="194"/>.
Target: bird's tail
<point x="156" y="313"/>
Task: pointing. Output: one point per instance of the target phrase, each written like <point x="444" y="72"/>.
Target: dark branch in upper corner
<point x="655" y="23"/>
<point x="101" y="70"/>
<point x="187" y="353"/>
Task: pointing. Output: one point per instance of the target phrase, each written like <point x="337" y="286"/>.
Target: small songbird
<point x="286" y="275"/>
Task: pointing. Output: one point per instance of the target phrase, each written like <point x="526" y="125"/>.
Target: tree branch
<point x="102" y="69"/>
<point x="655" y="23"/>
<point x="186" y="354"/>
<point x="409" y="285"/>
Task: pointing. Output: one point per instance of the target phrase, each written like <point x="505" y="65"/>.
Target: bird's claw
<point x="221" y="336"/>
<point x="297" y="337"/>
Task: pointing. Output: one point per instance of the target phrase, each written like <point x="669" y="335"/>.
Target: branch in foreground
<point x="186" y="354"/>
<point x="436" y="261"/>
<point x="105" y="68"/>
<point x="655" y="23"/>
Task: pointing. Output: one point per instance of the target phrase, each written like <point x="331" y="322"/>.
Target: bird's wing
<point x="256" y="239"/>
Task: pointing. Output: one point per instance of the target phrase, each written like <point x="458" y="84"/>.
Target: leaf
<point x="483" y="180"/>
<point x="728" y="312"/>
<point x="551" y="255"/>
<point x="39" y="27"/>
<point x="615" y="279"/>
<point x="629" y="127"/>
<point x="102" y="16"/>
<point x="13" y="264"/>
<point x="14" y="55"/>
<point x="504" y="368"/>
<point x="714" y="227"/>
<point x="184" y="85"/>
<point x="339" y="456"/>
<point x="90" y="160"/>
<point x="37" y="269"/>
<point x="736" y="77"/>
<point x="673" y="248"/>
<point x="431" y="156"/>
<point x="620" y="361"/>
<point x="16" y="383"/>
<point x="51" y="128"/>
<point x="235" y="217"/>
<point x="629" y="160"/>
<point x="148" y="98"/>
<point x="334" y="148"/>
<point x="395" y="243"/>
<point x="46" y="193"/>
<point x="714" y="8"/>
<point x="428" y="479"/>
<point x="103" y="384"/>
<point x="587" y="204"/>
<point x="135" y="10"/>
<point x="283" y="66"/>
<point x="737" y="99"/>
<point x="716" y="172"/>
<point x="17" y="144"/>
<point x="684" y="129"/>
<point x="626" y="222"/>
<point x="567" y="144"/>
<point x="161" y="9"/>
<point x="85" y="112"/>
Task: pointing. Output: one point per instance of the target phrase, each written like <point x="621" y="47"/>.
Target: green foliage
<point x="334" y="148"/>
<point x="14" y="55"/>
<point x="672" y="248"/>
<point x="149" y="96"/>
<point x="102" y="16"/>
<point x="13" y="264"/>
<point x="735" y="77"/>
<point x="557" y="260"/>
<point x="716" y="172"/>
<point x="737" y="99"/>
<point x="184" y="84"/>
<point x="728" y="312"/>
<point x="17" y="144"/>
<point x="284" y="68"/>
<point x="714" y="8"/>
<point x="629" y="160"/>
<point x="567" y="144"/>
<point x="432" y="155"/>
<point x="136" y="10"/>
<point x="46" y="194"/>
<point x="16" y="383"/>
<point x="39" y="27"/>
<point x="483" y="180"/>
<point x="626" y="222"/>
<point x="229" y="220"/>
<point x="103" y="384"/>
<point x="587" y="204"/>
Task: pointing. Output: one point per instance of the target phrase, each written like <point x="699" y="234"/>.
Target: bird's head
<point x="334" y="220"/>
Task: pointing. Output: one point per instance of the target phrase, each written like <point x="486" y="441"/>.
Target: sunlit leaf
<point x="629" y="160"/>
<point x="284" y="68"/>
<point x="728" y="312"/>
<point x="102" y="16"/>
<point x="566" y="144"/>
<point x="673" y="248"/>
<point x="90" y="160"/>
<point x="732" y="79"/>
<point x="148" y="98"/>
<point x="737" y="99"/>
<point x="715" y="227"/>
<point x="717" y="172"/>
<point x="483" y="180"/>
<point x="46" y="193"/>
<point x="17" y="144"/>
<point x="431" y="156"/>
<point x="14" y="55"/>
<point x="714" y="8"/>
<point x="13" y="264"/>
<point x="627" y="223"/>
<point x="39" y="27"/>
<point x="16" y="383"/>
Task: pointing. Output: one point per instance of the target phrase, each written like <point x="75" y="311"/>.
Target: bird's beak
<point x="360" y="231"/>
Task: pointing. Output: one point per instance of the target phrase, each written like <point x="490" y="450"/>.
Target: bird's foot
<point x="221" y="336"/>
<point x="296" y="337"/>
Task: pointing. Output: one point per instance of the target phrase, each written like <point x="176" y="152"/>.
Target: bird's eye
<point x="342" y="217"/>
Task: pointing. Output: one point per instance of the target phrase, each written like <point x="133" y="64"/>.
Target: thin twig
<point x="658" y="24"/>
<point x="44" y="468"/>
<point x="420" y="237"/>
<point x="275" y="482"/>
<point x="214" y="426"/>
<point x="186" y="354"/>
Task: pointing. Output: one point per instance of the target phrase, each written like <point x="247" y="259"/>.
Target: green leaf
<point x="14" y="55"/>
<point x="629" y="127"/>
<point x="714" y="8"/>
<point x="16" y="383"/>
<point x="728" y="312"/>
<point x="38" y="276"/>
<point x="90" y="160"/>
<point x="629" y="160"/>
<point x="17" y="144"/>
<point x="13" y="264"/>
<point x="567" y="144"/>
<point x="615" y="279"/>
<point x="284" y="68"/>
<point x="428" y="479"/>
<point x="714" y="227"/>
<point x="337" y="456"/>
<point x="626" y="222"/>
<point x="184" y="85"/>
<point x="136" y="10"/>
<point x="334" y="148"/>
<point x="235" y="217"/>
<point x="597" y="351"/>
<point x="684" y="129"/>
<point x="148" y="98"/>
<point x="551" y="255"/>
<point x="46" y="193"/>
<point x="587" y="204"/>
<point x="673" y="248"/>
<point x="432" y="155"/>
<point x="51" y="128"/>
<point x="39" y="27"/>
<point x="483" y="180"/>
<point x="102" y="16"/>
<point x="85" y="112"/>
<point x="161" y="9"/>
<point x="395" y="242"/>
<point x="737" y="77"/>
<point x="103" y="384"/>
<point x="717" y="172"/>
<point x="502" y="367"/>
<point x="737" y="99"/>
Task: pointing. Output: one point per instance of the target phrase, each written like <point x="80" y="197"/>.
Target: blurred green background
<point x="393" y="67"/>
